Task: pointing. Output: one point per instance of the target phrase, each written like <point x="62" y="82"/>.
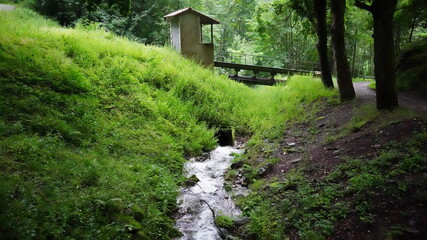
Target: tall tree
<point x="316" y="13"/>
<point x="322" y="41"/>
<point x="345" y="84"/>
<point x="384" y="59"/>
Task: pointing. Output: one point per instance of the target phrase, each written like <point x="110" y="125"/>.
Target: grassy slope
<point x="94" y="128"/>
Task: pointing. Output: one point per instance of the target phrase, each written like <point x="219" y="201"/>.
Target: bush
<point x="412" y="67"/>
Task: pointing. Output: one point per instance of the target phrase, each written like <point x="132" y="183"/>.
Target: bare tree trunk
<point x="414" y="21"/>
<point x="345" y="84"/>
<point x="384" y="59"/>
<point x="353" y="64"/>
<point x="322" y="42"/>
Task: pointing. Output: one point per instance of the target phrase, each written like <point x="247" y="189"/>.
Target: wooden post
<point x="236" y="72"/>
<point x="272" y="74"/>
<point x="211" y="33"/>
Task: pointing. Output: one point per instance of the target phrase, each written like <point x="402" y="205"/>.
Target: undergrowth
<point x="94" y="129"/>
<point x="298" y="207"/>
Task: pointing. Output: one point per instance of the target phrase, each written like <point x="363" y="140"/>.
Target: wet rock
<point x="237" y="165"/>
<point x="202" y="158"/>
<point x="264" y="169"/>
<point x="191" y="181"/>
<point x="244" y="182"/>
<point x="241" y="221"/>
<point x="296" y="160"/>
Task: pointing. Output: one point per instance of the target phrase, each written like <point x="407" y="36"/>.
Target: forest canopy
<point x="277" y="32"/>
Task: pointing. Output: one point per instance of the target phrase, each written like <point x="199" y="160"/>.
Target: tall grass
<point x="94" y="128"/>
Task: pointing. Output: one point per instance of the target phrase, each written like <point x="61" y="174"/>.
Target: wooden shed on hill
<point x="189" y="35"/>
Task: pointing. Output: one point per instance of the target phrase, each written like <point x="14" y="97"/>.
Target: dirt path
<point x="4" y="7"/>
<point x="406" y="100"/>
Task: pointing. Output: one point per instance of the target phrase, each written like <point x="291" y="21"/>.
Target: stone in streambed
<point x="237" y="165"/>
<point x="191" y="181"/>
<point x="264" y="169"/>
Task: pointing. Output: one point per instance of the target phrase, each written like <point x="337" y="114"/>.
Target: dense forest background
<point x="269" y="32"/>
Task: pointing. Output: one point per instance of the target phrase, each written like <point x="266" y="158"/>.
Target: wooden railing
<point x="261" y="60"/>
<point x="254" y="79"/>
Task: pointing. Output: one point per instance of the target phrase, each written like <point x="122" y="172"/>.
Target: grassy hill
<point x="94" y="128"/>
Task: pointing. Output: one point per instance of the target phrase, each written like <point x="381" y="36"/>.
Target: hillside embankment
<point x="347" y="172"/>
<point x="94" y="128"/>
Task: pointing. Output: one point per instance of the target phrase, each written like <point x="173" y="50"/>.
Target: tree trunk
<point x="345" y="84"/>
<point x="353" y="64"/>
<point x="384" y="58"/>
<point x="414" y="20"/>
<point x="322" y="42"/>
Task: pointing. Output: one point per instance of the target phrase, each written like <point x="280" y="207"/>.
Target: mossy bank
<point x="94" y="129"/>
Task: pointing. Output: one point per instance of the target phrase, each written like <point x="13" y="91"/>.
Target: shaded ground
<point x="333" y="136"/>
<point x="365" y="142"/>
<point x="407" y="100"/>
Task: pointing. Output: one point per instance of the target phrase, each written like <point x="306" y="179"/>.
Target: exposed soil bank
<point x="315" y="158"/>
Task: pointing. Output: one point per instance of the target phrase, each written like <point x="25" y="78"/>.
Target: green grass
<point x="94" y="129"/>
<point x="366" y="116"/>
<point x="224" y="221"/>
<point x="372" y="86"/>
<point x="363" y="80"/>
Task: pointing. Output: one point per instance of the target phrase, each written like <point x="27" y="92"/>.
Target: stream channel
<point x="197" y="203"/>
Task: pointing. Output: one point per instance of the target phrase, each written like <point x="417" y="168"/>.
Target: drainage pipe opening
<point x="225" y="137"/>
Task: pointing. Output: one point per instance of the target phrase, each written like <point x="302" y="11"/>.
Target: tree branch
<point x="221" y="234"/>
<point x="362" y="5"/>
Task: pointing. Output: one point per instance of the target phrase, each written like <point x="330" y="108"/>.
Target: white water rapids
<point x="196" y="219"/>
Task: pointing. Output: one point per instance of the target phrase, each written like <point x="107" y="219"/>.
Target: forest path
<point x="406" y="99"/>
<point x="5" y="7"/>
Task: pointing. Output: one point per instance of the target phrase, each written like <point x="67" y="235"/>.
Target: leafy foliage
<point x="411" y="67"/>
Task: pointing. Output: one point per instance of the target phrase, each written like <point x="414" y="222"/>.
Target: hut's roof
<point x="204" y="19"/>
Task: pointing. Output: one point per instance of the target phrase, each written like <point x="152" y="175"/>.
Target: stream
<point x="195" y="219"/>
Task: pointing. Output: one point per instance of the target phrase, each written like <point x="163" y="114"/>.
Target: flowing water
<point x="197" y="202"/>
